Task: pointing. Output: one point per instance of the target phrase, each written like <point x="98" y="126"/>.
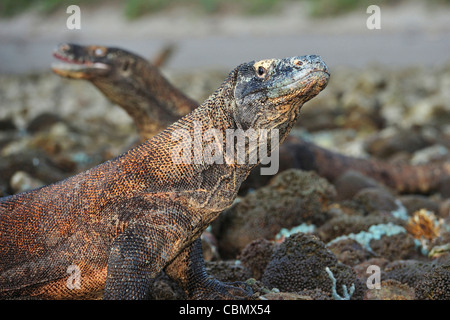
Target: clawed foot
<point x="216" y="290"/>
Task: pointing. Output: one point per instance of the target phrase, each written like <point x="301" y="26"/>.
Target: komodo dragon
<point x="151" y="100"/>
<point x="122" y="222"/>
<point x="139" y="88"/>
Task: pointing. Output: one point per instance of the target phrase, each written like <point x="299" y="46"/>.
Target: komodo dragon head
<point x="269" y="93"/>
<point x="127" y="80"/>
<point x="87" y="62"/>
<point x="257" y="100"/>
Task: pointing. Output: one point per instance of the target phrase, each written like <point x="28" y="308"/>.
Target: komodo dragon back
<point x="119" y="224"/>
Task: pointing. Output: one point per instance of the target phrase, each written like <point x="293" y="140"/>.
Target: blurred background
<point x="388" y="96"/>
<point x="219" y="33"/>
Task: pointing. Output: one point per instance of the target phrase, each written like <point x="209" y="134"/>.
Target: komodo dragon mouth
<point x="73" y="64"/>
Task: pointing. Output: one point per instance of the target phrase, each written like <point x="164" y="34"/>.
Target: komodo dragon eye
<point x="262" y="68"/>
<point x="261" y="72"/>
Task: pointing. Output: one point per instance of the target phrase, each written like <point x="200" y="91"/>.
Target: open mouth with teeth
<point x="68" y="65"/>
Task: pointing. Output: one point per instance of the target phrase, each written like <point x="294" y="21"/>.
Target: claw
<point x="216" y="290"/>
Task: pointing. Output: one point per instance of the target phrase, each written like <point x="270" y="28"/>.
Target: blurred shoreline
<point x="410" y="34"/>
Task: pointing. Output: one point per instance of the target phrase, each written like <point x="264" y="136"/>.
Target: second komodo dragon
<point x="139" y="88"/>
<point x="122" y="222"/>
<point x="150" y="99"/>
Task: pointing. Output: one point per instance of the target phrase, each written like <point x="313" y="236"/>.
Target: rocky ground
<point x="300" y="236"/>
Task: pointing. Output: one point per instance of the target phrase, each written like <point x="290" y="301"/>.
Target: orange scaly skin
<point x="122" y="222"/>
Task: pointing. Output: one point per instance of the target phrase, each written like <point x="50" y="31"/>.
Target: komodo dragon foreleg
<point x="137" y="256"/>
<point x="157" y="239"/>
<point x="188" y="270"/>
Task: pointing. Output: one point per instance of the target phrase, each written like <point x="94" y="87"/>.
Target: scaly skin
<point x="121" y="223"/>
<point x="145" y="83"/>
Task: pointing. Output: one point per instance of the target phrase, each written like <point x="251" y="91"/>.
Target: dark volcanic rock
<point x="292" y="197"/>
<point x="256" y="255"/>
<point x="349" y="252"/>
<point x="435" y="285"/>
<point x="300" y="263"/>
